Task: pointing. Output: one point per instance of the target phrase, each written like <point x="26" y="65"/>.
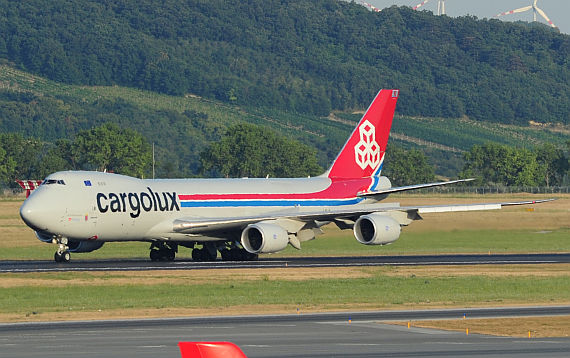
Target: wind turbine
<point x="440" y="6"/>
<point x="535" y="9"/>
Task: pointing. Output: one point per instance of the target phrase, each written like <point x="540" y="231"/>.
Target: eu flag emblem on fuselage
<point x="87" y="182"/>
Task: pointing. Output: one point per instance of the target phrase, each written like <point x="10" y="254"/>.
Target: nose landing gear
<point x="62" y="254"/>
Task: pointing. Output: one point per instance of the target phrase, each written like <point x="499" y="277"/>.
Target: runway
<point x="349" y="334"/>
<point x="344" y="261"/>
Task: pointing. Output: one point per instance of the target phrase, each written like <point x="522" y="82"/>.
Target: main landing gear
<point x="62" y="254"/>
<point x="236" y="254"/>
<point x="166" y="251"/>
<point x="163" y="251"/>
<point x="209" y="252"/>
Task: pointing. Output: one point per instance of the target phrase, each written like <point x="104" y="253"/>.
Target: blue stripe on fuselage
<point x="238" y="203"/>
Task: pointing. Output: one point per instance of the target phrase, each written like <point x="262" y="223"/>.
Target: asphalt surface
<point x="356" y="334"/>
<point x="140" y="265"/>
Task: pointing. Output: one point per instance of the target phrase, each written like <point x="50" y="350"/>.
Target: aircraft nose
<point x="34" y="214"/>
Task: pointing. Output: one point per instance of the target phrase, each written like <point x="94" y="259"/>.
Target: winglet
<point x="363" y="154"/>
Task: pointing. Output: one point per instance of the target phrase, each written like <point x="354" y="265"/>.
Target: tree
<point x="305" y="56"/>
<point x="56" y="158"/>
<point x="493" y="163"/>
<point x="111" y="148"/>
<point x="406" y="167"/>
<point x="247" y="150"/>
<point x="7" y="165"/>
<point x="20" y="158"/>
<point x="553" y="164"/>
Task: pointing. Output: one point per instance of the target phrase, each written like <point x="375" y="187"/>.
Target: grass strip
<point x="337" y="243"/>
<point x="377" y="291"/>
<point x="526" y="327"/>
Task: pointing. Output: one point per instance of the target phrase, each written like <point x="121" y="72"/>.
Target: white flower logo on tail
<point x="367" y="151"/>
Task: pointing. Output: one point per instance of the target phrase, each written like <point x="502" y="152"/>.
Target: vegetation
<point x="307" y="56"/>
<point x="457" y="135"/>
<point x="336" y="244"/>
<point x="110" y="148"/>
<point x="509" y="166"/>
<point x="407" y="167"/>
<point x="279" y="65"/>
<point x="250" y="151"/>
<point x="52" y="111"/>
<point x="374" y="288"/>
<point x="104" y="148"/>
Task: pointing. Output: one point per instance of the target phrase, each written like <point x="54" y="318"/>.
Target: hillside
<point x="182" y="126"/>
<point x="303" y="56"/>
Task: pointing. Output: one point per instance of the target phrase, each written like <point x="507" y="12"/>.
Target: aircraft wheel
<point x="209" y="255"/>
<point x="197" y="255"/>
<point x="62" y="256"/>
<point x="244" y="255"/>
<point x="226" y="255"/>
<point x="235" y="255"/>
<point x="170" y="255"/>
<point x="154" y="255"/>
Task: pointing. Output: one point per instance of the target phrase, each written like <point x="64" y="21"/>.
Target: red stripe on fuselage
<point x="339" y="189"/>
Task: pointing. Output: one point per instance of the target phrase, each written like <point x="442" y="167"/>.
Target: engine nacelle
<point x="376" y="229"/>
<point x="263" y="238"/>
<point x="84" y="246"/>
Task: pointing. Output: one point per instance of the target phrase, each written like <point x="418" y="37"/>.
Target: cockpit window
<point x="53" y="181"/>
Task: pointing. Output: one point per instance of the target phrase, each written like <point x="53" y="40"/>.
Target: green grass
<point x="379" y="290"/>
<point x="129" y="250"/>
<point x="457" y="241"/>
<point x="343" y="243"/>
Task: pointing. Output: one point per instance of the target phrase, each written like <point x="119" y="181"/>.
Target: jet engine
<point x="264" y="237"/>
<point x="376" y="229"/>
<point x="84" y="246"/>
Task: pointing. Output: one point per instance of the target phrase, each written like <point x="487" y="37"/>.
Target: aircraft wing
<point x="471" y="207"/>
<point x="203" y="225"/>
<point x="191" y="225"/>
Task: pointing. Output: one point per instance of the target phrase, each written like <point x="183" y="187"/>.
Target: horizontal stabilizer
<point x="412" y="187"/>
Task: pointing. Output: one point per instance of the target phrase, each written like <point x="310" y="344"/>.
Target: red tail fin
<point x="363" y="154"/>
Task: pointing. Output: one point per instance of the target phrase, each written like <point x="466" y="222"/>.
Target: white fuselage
<point x="83" y="205"/>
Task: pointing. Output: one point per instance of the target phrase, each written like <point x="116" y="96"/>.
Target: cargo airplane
<point x="240" y="218"/>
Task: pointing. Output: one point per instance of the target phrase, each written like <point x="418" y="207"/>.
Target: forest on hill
<point x="303" y="56"/>
<point x="112" y="128"/>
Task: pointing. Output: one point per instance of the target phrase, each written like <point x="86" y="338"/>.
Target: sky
<point x="557" y="10"/>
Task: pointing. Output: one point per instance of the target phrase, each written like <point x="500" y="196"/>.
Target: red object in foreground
<point x="210" y="350"/>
